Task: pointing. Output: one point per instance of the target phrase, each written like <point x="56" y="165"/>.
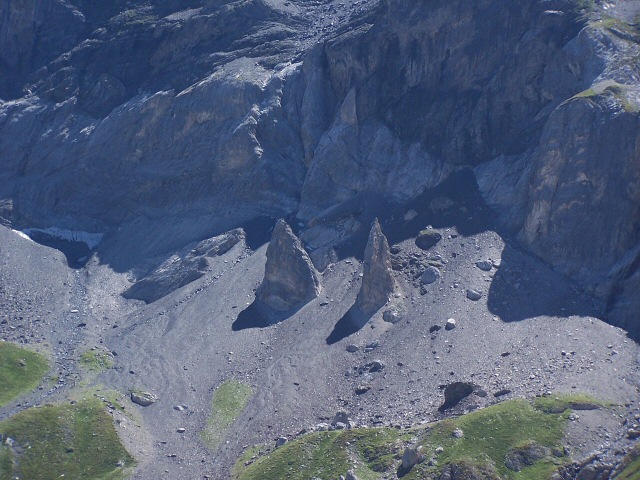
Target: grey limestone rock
<point x="351" y="475"/>
<point x="143" y="399"/>
<point x="393" y="315"/>
<point x="430" y="275"/>
<point x="428" y="238"/>
<point x="340" y="417"/>
<point x="484" y="265"/>
<point x="412" y="456"/>
<point x="290" y="279"/>
<point x="377" y="281"/>
<point x="473" y="294"/>
<point x="182" y="268"/>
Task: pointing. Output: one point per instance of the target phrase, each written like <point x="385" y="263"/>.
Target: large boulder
<point x="377" y="280"/>
<point x="290" y="279"/>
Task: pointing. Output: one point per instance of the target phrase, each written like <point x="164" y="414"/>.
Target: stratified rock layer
<point x="290" y="279"/>
<point x="181" y="269"/>
<point x="377" y="281"/>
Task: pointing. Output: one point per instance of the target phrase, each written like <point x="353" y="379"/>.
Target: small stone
<point x="281" y="441"/>
<point x="143" y="399"/>
<point x="633" y="433"/>
<point x="473" y="295"/>
<point x="501" y="393"/>
<point x="458" y="433"/>
<point x="351" y="475"/>
<point x="340" y="417"/>
<point x="362" y="389"/>
<point x="435" y="328"/>
<point x="372" y="367"/>
<point x="352" y="348"/>
<point x="450" y="325"/>
<point x="340" y="426"/>
<point x="179" y="408"/>
<point x="393" y="315"/>
<point x="181" y="430"/>
<point x="484" y="265"/>
<point x="411" y="457"/>
<point x="439" y="450"/>
<point x="427" y="239"/>
<point x="430" y="275"/>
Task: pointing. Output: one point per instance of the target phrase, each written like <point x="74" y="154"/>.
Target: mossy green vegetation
<point x="96" y="360"/>
<point x="631" y="462"/>
<point x="21" y="370"/>
<point x="229" y="400"/>
<point x="63" y="441"/>
<point x="327" y="455"/>
<point x="612" y="90"/>
<point x="627" y="31"/>
<point x="562" y="402"/>
<point x="488" y="437"/>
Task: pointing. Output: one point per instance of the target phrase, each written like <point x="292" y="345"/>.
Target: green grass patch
<point x="614" y="91"/>
<point x="228" y="402"/>
<point x="562" y="402"/>
<point x="21" y="370"/>
<point x="490" y="433"/>
<point x="327" y="455"/>
<point x="631" y="470"/>
<point x="488" y="436"/>
<point x="63" y="441"/>
<point x="96" y="360"/>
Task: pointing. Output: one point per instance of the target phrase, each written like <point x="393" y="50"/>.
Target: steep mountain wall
<point x="231" y="109"/>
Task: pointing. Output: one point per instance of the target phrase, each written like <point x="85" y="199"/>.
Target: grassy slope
<point x="20" y="371"/>
<point x="70" y="441"/>
<point x="488" y="435"/>
<point x="228" y="402"/>
<point x="96" y="360"/>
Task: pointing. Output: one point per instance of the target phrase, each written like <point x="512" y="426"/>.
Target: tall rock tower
<point x="290" y="280"/>
<point x="377" y="282"/>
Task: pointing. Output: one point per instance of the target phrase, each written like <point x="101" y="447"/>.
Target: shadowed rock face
<point x="181" y="269"/>
<point x="377" y="281"/>
<point x="290" y="279"/>
<point x="229" y="103"/>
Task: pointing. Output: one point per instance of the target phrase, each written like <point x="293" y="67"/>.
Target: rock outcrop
<point x="377" y="281"/>
<point x="290" y="280"/>
<point x="181" y="269"/>
<point x="217" y="106"/>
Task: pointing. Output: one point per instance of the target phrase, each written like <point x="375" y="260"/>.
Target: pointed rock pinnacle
<point x="377" y="281"/>
<point x="290" y="280"/>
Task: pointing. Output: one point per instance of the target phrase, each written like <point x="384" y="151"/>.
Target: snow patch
<point x="22" y="234"/>
<point x="92" y="240"/>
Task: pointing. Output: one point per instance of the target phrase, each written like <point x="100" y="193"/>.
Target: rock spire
<point x="290" y="280"/>
<point x="377" y="281"/>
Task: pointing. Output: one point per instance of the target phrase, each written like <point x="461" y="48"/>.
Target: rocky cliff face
<point x="496" y="141"/>
<point x="226" y="110"/>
